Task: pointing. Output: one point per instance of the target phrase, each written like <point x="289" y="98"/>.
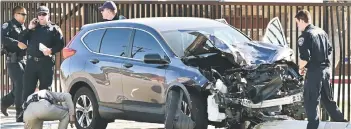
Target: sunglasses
<point x="42" y="14"/>
<point x="23" y="14"/>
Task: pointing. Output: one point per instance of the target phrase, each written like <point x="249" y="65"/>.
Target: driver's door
<point x="275" y="33"/>
<point x="143" y="84"/>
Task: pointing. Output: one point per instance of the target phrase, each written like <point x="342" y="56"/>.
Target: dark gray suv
<point x="184" y="72"/>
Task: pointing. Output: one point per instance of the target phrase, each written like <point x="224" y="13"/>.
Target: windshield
<point x="179" y="40"/>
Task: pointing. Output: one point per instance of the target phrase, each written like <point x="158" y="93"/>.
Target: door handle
<point x="94" y="61"/>
<point x="128" y="65"/>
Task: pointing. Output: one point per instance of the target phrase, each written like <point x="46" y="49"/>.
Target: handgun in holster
<point x="12" y="57"/>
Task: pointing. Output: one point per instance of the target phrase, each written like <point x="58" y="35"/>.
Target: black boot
<point x="19" y="117"/>
<point x="6" y="102"/>
<point x="19" y="114"/>
<point x="4" y="109"/>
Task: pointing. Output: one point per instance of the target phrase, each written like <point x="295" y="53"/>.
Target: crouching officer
<point x="42" y="106"/>
<point x="15" y="51"/>
<point x="316" y="49"/>
<point x="44" y="41"/>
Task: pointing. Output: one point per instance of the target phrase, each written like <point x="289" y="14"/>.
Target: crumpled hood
<point x="244" y="54"/>
<point x="256" y="52"/>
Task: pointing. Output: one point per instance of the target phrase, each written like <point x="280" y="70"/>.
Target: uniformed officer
<point x="109" y="12"/>
<point x="15" y="51"/>
<point x="315" y="51"/>
<point x="43" y="106"/>
<point x="44" y="41"/>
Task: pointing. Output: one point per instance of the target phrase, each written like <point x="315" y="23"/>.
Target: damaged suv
<point x="183" y="72"/>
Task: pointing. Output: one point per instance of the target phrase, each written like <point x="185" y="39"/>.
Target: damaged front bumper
<point x="268" y="103"/>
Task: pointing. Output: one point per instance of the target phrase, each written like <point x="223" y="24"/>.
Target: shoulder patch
<point x="5" y="25"/>
<point x="300" y="41"/>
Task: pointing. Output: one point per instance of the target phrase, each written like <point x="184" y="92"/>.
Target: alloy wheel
<point x="84" y="111"/>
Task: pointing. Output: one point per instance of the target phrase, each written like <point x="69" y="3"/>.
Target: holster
<point x="12" y="57"/>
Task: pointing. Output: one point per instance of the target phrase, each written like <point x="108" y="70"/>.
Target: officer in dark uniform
<point x="315" y="49"/>
<point x="15" y="51"/>
<point x="109" y="12"/>
<point x="44" y="41"/>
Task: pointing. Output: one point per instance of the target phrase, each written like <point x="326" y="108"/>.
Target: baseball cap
<point x="43" y="9"/>
<point x="108" y="4"/>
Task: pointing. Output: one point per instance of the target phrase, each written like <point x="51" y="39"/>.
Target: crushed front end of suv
<point x="248" y="82"/>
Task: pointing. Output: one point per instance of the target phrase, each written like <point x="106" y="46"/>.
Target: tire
<point x="198" y="111"/>
<point x="96" y="121"/>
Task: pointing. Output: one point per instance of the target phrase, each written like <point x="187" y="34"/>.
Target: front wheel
<point x="175" y="104"/>
<point x="86" y="109"/>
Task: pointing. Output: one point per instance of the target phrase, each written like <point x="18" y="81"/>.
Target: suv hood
<point x="243" y="54"/>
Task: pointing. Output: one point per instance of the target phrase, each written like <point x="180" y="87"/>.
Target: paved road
<point x="8" y="123"/>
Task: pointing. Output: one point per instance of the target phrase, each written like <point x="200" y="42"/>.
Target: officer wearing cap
<point x="109" y="12"/>
<point x="315" y="50"/>
<point x="15" y="51"/>
<point x="44" y="41"/>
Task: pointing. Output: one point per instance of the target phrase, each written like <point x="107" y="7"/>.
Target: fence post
<point x="324" y="114"/>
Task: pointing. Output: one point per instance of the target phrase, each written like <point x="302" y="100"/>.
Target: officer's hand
<point x="32" y="23"/>
<point x="22" y="45"/>
<point x="47" y="51"/>
<point x="72" y="119"/>
<point x="302" y="71"/>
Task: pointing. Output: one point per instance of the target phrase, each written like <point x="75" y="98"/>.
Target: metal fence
<point x="251" y="18"/>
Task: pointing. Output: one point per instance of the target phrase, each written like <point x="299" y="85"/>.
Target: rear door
<point x="275" y="34"/>
<point x="105" y="67"/>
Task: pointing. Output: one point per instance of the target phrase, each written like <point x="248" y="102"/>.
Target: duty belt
<point x="29" y="57"/>
<point x="34" y="98"/>
<point x="13" y="58"/>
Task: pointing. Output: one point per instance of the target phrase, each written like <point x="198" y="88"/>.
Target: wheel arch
<point x="186" y="89"/>
<point x="80" y="82"/>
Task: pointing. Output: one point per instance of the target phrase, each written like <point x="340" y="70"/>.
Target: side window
<point x="144" y="44"/>
<point x="115" y="41"/>
<point x="93" y="38"/>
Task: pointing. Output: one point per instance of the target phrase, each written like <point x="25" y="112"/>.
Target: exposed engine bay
<point x="243" y="90"/>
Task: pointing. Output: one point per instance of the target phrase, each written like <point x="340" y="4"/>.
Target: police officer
<point x="315" y="51"/>
<point x="15" y="51"/>
<point x="43" y="106"/>
<point x="44" y="41"/>
<point x="109" y="12"/>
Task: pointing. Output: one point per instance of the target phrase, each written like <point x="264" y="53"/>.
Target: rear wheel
<point x="86" y="109"/>
<point x="197" y="114"/>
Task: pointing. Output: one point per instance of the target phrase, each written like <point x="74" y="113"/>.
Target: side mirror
<point x="154" y="59"/>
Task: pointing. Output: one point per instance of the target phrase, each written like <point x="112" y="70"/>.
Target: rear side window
<point x="115" y="41"/>
<point x="93" y="38"/>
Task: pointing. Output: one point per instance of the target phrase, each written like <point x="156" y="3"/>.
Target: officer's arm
<point x="25" y="36"/>
<point x="5" y="37"/>
<point x="305" y="42"/>
<point x="64" y="97"/>
<point x="58" y="41"/>
<point x="330" y="47"/>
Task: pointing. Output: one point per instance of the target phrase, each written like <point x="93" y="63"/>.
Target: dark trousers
<point x="317" y="87"/>
<point x="15" y="71"/>
<point x="41" y="70"/>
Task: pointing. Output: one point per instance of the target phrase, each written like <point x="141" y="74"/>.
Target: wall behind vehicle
<point x="249" y="17"/>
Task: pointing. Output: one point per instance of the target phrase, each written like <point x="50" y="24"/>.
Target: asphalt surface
<point x="9" y="123"/>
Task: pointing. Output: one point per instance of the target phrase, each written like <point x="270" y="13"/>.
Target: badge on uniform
<point x="4" y="26"/>
<point x="300" y="41"/>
